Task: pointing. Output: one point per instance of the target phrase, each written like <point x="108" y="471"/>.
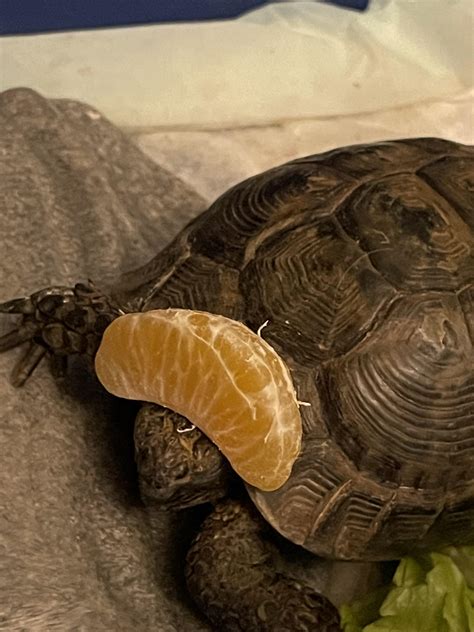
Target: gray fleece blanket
<point x="78" y="550"/>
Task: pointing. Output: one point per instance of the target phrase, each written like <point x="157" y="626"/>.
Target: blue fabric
<point x="352" y="4"/>
<point x="30" y="16"/>
<point x="36" y="16"/>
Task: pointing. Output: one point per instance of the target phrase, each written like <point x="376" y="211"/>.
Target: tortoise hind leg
<point x="230" y="575"/>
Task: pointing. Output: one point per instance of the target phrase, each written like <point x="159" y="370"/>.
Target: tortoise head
<point x="178" y="465"/>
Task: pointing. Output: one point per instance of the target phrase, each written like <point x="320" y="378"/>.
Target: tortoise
<point x="360" y="261"/>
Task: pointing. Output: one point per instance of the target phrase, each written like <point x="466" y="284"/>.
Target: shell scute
<point x="410" y="387"/>
<point x="331" y="302"/>
<point x="453" y="178"/>
<point x="413" y="236"/>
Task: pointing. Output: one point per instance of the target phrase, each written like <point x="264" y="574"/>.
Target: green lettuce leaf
<point x="431" y="593"/>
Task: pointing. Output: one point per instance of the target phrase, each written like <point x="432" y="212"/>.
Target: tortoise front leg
<point x="231" y="577"/>
<point x="58" y="321"/>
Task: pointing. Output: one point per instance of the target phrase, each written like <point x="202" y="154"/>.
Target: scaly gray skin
<point x="229" y="569"/>
<point x="178" y="466"/>
<point x="59" y="322"/>
<point x="230" y="574"/>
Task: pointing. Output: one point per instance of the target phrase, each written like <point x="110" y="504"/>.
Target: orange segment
<point x="216" y="372"/>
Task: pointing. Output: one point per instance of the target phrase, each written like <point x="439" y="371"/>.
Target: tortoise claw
<point x="13" y="339"/>
<point x="27" y="364"/>
<point x="18" y="306"/>
<point x="59" y="366"/>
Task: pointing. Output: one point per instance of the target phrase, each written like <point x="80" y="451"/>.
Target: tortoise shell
<point x="362" y="262"/>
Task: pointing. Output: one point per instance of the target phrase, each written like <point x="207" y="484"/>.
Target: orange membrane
<point x="217" y="373"/>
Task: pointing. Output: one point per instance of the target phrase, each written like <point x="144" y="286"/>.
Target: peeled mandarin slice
<point x="217" y="373"/>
